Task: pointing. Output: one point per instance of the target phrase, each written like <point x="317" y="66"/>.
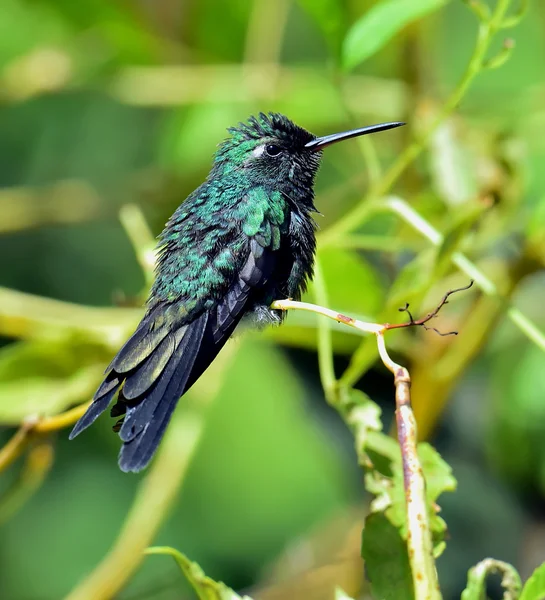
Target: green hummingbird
<point x="244" y="238"/>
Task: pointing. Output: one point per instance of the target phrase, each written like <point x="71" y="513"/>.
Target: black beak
<point x="327" y="140"/>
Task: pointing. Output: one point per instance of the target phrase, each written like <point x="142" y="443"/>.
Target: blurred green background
<point x="110" y="102"/>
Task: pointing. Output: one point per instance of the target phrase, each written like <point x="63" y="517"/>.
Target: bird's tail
<point x="151" y="371"/>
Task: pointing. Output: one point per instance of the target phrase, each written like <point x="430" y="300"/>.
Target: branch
<point x="136" y="227"/>
<point x="26" y="316"/>
<point x="158" y="490"/>
<point x="37" y="464"/>
<point x="422" y="322"/>
<point x="419" y="540"/>
<point x="486" y="285"/>
<point x="36" y="427"/>
<point x="488" y="27"/>
<point x="156" y="494"/>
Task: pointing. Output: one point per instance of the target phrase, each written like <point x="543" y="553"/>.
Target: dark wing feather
<point x="165" y="356"/>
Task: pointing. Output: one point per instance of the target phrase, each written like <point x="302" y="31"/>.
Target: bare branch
<point x="422" y="322"/>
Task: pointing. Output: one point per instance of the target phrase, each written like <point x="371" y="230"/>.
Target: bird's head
<point x="272" y="151"/>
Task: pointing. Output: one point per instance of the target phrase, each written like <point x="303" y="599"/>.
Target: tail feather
<point x="150" y="333"/>
<point x="167" y="353"/>
<point x="144" y="375"/>
<point x="100" y="403"/>
<point x="148" y="420"/>
<point x="137" y="414"/>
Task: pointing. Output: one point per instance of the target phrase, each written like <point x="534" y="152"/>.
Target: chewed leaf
<point x="387" y="484"/>
<point x="477" y="576"/>
<point x="379" y="25"/>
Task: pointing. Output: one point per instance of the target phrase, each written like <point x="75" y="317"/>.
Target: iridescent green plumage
<point x="244" y="238"/>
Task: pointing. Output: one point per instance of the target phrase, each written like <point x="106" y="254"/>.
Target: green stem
<point x="325" y="342"/>
<point x="136" y="227"/>
<point x="359" y="214"/>
<point x="419" y="540"/>
<point x="35" y="469"/>
<point x="158" y="491"/>
<point x="155" y="496"/>
<point x="28" y="316"/>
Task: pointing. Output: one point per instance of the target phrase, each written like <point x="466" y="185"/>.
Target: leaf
<point x="363" y="417"/>
<point x="386" y="561"/>
<point x="206" y="588"/>
<point x="379" y="25"/>
<point x="438" y="473"/>
<point x="477" y="575"/>
<point x="330" y="17"/>
<point x="413" y="280"/>
<point x="454" y="236"/>
<point x="389" y="489"/>
<point x="380" y="456"/>
<point x="452" y="167"/>
<point x="46" y="377"/>
<point x="41" y="396"/>
<point x="534" y="588"/>
<point x="439" y="479"/>
<point x="346" y="274"/>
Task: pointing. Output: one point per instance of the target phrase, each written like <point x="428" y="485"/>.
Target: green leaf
<point x="534" y="588"/>
<point x="380" y="456"/>
<point x="205" y="588"/>
<point x="346" y="274"/>
<point x="438" y="473"/>
<point x="330" y="17"/>
<point x="44" y="397"/>
<point x="43" y="378"/>
<point x="454" y="236"/>
<point x="413" y="280"/>
<point x="379" y="25"/>
<point x="452" y="167"/>
<point x="386" y="561"/>
<point x="439" y="479"/>
<point x="363" y="416"/>
<point x="476" y="581"/>
<point x="389" y="489"/>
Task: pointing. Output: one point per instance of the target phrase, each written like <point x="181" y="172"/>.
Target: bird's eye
<point x="272" y="150"/>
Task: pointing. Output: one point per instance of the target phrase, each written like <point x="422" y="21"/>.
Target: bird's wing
<point x="173" y="345"/>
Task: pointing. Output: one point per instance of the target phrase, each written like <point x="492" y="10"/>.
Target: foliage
<point x="110" y="114"/>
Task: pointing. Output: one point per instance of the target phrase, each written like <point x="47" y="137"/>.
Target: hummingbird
<point x="244" y="238"/>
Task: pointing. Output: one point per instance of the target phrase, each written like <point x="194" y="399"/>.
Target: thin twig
<point x="422" y="322"/>
<point x="354" y="218"/>
<point x="34" y="426"/>
<point x="158" y="490"/>
<point x="37" y="464"/>
<point x="136" y="227"/>
<point x="156" y="494"/>
<point x="419" y="541"/>
<point x="13" y="448"/>
<point x="412" y="218"/>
